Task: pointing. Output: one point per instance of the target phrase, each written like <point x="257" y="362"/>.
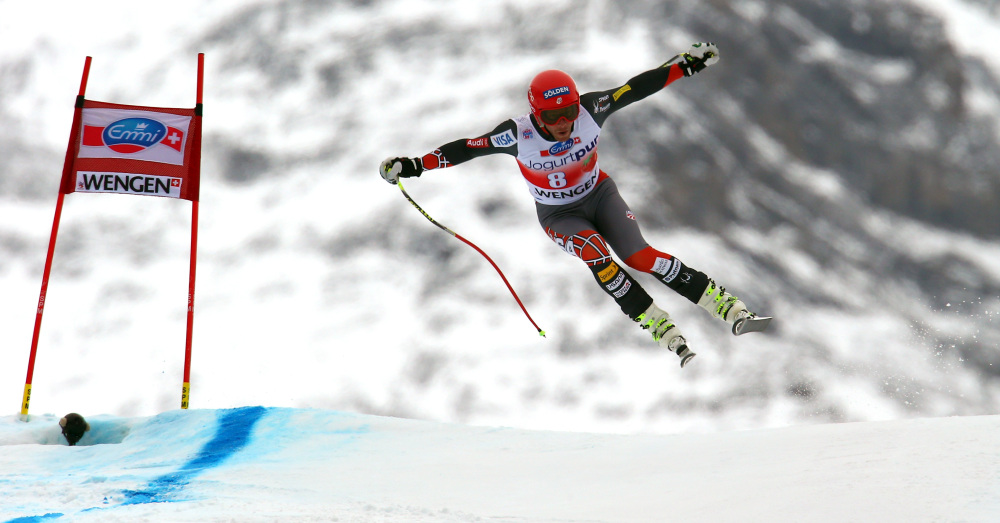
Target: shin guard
<point x="688" y="282"/>
<point x="632" y="298"/>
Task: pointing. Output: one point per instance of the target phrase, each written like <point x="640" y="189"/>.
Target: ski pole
<point x="480" y="251"/>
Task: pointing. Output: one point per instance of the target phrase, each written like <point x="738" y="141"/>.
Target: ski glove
<point x="700" y="56"/>
<point x="392" y="169"/>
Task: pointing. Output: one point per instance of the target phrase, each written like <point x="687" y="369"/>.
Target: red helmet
<point x="552" y="96"/>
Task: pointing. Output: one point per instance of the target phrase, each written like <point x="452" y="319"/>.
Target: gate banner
<point x="128" y="149"/>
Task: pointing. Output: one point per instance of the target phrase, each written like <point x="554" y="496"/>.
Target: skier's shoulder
<point x="597" y="102"/>
<point x="522" y="122"/>
<point x="503" y="135"/>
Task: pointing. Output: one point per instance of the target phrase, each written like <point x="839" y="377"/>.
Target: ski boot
<point x="664" y="332"/>
<point x="731" y="310"/>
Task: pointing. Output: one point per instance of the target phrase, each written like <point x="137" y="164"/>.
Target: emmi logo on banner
<point x="134" y="134"/>
<point x="128" y="183"/>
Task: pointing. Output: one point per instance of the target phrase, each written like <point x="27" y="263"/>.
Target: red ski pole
<point x="480" y="251"/>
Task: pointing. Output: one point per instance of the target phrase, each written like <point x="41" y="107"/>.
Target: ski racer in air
<point x="578" y="204"/>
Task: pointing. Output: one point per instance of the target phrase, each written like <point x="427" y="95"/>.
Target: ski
<point x="751" y="324"/>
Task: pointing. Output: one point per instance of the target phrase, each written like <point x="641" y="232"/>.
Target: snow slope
<point x="280" y="464"/>
<point x="320" y="287"/>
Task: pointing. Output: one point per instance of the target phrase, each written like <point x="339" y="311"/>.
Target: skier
<point x="578" y="204"/>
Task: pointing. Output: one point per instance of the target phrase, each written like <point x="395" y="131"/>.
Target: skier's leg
<point x="575" y="237"/>
<point x="619" y="226"/>
<point x="686" y="281"/>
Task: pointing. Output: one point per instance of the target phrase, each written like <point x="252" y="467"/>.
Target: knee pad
<point x="587" y="245"/>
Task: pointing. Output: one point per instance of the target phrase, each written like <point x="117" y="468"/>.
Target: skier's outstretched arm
<point x="500" y="140"/>
<point x="602" y="104"/>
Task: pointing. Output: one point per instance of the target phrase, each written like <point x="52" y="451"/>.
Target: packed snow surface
<point x="281" y="464"/>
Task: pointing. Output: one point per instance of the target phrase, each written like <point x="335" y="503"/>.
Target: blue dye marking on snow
<point x="232" y="434"/>
<point x="35" y="519"/>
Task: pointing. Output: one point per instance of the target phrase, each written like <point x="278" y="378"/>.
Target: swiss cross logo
<point x="175" y="182"/>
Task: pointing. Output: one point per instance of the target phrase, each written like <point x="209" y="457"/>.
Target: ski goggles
<point x="552" y="116"/>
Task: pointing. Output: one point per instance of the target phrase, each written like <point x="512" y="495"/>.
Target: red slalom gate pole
<point x="480" y="251"/>
<point x="186" y="386"/>
<point x="67" y="166"/>
<point x="26" y="398"/>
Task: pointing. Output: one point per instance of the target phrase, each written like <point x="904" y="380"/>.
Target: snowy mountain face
<point x="835" y="170"/>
